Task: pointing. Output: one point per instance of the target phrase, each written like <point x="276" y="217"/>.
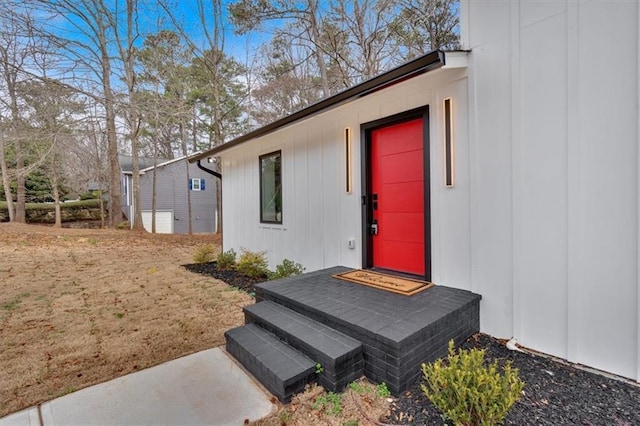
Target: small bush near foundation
<point x="226" y="260"/>
<point x="253" y="264"/>
<point x="288" y="268"/>
<point x="203" y="254"/>
<point x="467" y="391"/>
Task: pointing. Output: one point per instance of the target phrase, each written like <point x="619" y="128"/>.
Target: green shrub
<point x="287" y="268"/>
<point x="253" y="264"/>
<point x="467" y="391"/>
<point x="203" y="254"/>
<point x="226" y="260"/>
<point x="90" y="195"/>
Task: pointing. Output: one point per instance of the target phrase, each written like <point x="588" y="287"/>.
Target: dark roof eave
<point x="428" y="62"/>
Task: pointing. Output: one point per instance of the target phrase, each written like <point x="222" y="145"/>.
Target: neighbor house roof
<point x="428" y="62"/>
<point x="167" y="162"/>
<point x="126" y="163"/>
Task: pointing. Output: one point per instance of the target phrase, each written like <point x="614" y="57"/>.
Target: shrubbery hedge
<point x="45" y="212"/>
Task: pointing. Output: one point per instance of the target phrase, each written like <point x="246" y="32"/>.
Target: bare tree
<point x="164" y="77"/>
<point x="303" y="26"/>
<point x="5" y="175"/>
<point x="94" y="154"/>
<point x="426" y="25"/>
<point x="89" y="52"/>
<point x="346" y="41"/>
<point x="127" y="53"/>
<point x="282" y="86"/>
<point x="15" y="50"/>
<point x="52" y="110"/>
<point x="364" y="46"/>
<point x="216" y="92"/>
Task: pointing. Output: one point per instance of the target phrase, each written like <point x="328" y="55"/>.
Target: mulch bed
<point x="554" y="394"/>
<point x="232" y="278"/>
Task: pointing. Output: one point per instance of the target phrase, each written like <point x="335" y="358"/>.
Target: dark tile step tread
<point x="306" y="334"/>
<point x="272" y="361"/>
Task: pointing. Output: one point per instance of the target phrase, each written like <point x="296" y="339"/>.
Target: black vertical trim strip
<point x="347" y="145"/>
<point x="448" y="148"/>
<point x="365" y="174"/>
<point x="427" y="193"/>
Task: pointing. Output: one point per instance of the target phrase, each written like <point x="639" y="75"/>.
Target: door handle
<point x="374" y="227"/>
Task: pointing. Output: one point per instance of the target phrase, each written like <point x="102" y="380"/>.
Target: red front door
<point x="397" y="197"/>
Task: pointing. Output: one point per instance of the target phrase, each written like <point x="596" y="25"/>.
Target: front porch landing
<point x="398" y="333"/>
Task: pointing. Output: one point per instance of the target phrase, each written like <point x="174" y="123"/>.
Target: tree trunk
<point x="218" y="42"/>
<point x="115" y="192"/>
<point x="315" y="34"/>
<point x="21" y="215"/>
<point x="5" y="182"/>
<point x="183" y="138"/>
<point x="132" y="111"/>
<point x="56" y="194"/>
<point x="98" y="167"/>
<point x="154" y="185"/>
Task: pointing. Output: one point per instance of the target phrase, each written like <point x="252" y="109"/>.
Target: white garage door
<point x="164" y="221"/>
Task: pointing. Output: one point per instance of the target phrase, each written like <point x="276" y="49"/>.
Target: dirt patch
<point x="83" y="306"/>
<point x="359" y="404"/>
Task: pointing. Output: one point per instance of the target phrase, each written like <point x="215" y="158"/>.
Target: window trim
<point x="193" y="184"/>
<point x="277" y="153"/>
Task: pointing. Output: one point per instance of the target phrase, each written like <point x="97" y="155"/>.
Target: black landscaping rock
<point x="555" y="393"/>
<point x="232" y="278"/>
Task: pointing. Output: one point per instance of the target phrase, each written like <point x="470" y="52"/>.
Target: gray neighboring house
<point x="126" y="180"/>
<point x="172" y="189"/>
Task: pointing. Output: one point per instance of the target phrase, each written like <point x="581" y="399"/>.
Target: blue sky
<point x="152" y="19"/>
<point x="186" y="12"/>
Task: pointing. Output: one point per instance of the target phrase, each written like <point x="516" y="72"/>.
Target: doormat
<point x="400" y="285"/>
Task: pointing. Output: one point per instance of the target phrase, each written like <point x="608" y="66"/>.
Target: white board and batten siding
<point x="553" y="126"/>
<point x="543" y="220"/>
<point x="319" y="216"/>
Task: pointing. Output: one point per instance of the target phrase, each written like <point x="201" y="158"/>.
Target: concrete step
<point x="280" y="368"/>
<point x="339" y="355"/>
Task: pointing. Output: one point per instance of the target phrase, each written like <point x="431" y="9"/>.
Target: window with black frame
<point x="271" y="188"/>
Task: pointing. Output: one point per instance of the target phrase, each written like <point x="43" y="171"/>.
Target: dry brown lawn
<point x="79" y="307"/>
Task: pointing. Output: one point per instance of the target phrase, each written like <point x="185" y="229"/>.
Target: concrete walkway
<point x="206" y="388"/>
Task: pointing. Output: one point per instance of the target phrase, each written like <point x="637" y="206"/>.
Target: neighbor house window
<point x="196" y="184"/>
<point x="271" y="187"/>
